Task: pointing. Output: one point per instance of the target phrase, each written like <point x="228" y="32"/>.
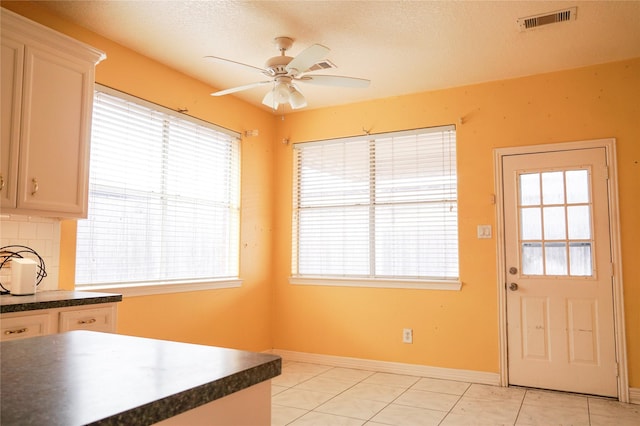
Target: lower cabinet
<point x="20" y="325"/>
<point x="250" y="406"/>
<point x="94" y="319"/>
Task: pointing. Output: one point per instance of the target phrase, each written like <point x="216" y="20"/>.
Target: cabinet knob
<point x="34" y="188"/>
<point x="87" y="321"/>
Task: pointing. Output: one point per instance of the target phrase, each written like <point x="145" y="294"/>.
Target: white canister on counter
<point x="24" y="273"/>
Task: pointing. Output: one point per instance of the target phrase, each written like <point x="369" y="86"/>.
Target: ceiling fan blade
<point x="229" y="61"/>
<point x="307" y="58"/>
<point x="239" y="88"/>
<point x="270" y="100"/>
<point x="335" y="80"/>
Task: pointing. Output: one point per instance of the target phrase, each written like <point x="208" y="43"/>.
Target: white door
<point x="560" y="321"/>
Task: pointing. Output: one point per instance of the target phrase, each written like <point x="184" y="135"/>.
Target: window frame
<point x="142" y="288"/>
<point x="368" y="282"/>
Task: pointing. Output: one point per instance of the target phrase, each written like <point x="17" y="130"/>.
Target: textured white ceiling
<point x="401" y="46"/>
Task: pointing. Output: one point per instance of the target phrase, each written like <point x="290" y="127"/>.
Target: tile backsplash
<point x="38" y="233"/>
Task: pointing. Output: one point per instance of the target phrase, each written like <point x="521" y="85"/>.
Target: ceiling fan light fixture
<point x="270" y="101"/>
<point x="281" y="92"/>
<point x="296" y="100"/>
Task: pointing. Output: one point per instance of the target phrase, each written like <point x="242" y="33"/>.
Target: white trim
<point x="379" y="283"/>
<point x="470" y="376"/>
<point x="634" y="395"/>
<point x="616" y="251"/>
<point x="618" y="288"/>
<point x="148" y="289"/>
<point x="503" y="360"/>
<point x="15" y="25"/>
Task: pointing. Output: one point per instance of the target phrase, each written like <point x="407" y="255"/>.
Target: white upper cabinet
<point x="47" y="99"/>
<point x="11" y="74"/>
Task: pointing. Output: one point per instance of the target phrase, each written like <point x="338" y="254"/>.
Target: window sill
<point x="152" y="288"/>
<point x="379" y="283"/>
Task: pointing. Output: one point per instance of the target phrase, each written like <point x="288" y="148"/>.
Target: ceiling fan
<point x="286" y="72"/>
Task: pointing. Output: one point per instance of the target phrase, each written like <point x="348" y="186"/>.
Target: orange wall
<point x="459" y="329"/>
<point x="239" y="317"/>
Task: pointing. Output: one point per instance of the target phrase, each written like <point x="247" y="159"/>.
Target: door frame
<point x="614" y="229"/>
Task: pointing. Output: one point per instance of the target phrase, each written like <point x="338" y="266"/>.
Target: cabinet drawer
<point x="25" y="326"/>
<point x="95" y="319"/>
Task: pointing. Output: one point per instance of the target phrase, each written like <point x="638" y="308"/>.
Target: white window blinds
<point x="377" y="207"/>
<point x="163" y="197"/>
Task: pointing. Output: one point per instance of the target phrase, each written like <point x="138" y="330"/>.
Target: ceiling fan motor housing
<point x="277" y="65"/>
<point x="283" y="43"/>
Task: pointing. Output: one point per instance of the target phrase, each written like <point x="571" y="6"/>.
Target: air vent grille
<point x="548" y="18"/>
<point x="322" y="65"/>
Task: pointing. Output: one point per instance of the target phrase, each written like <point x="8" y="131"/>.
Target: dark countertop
<point x="85" y="377"/>
<point x="54" y="299"/>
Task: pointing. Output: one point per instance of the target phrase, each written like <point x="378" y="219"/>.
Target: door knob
<point x="513" y="286"/>
<point x="513" y="270"/>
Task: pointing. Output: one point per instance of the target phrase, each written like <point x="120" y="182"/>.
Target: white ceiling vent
<point x="322" y="65"/>
<point x="530" y="22"/>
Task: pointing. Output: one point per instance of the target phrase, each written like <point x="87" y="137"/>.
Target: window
<point x="379" y="210"/>
<point x="555" y="214"/>
<point x="163" y="197"/>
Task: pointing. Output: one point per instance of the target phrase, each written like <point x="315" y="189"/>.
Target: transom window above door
<point x="555" y="221"/>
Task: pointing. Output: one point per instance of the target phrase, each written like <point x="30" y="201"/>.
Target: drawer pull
<point x="16" y="331"/>
<point x="88" y="321"/>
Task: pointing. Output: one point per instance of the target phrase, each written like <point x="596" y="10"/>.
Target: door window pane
<point x="532" y="259"/>
<point x="552" y="188"/>
<point x="530" y="223"/>
<point x="577" y="186"/>
<point x="555" y="258"/>
<point x="530" y="189"/>
<point x="554" y="224"/>
<point x="580" y="259"/>
<point x="579" y="222"/>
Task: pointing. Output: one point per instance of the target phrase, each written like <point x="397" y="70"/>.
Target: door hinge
<point x="617" y="368"/>
<point x="606" y="172"/>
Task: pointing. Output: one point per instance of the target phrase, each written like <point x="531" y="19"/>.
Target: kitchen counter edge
<point x="54" y="299"/>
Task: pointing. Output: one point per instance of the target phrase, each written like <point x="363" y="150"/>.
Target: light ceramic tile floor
<point x="311" y="394"/>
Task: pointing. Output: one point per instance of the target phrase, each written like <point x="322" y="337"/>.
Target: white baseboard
<point x="634" y="395"/>
<point x="392" y="367"/>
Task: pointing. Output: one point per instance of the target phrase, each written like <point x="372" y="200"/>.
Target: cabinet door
<point x="56" y="119"/>
<point x="11" y="93"/>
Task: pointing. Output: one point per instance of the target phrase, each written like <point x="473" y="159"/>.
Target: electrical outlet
<point x="407" y="335"/>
